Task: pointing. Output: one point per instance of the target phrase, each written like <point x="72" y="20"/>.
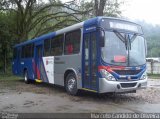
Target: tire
<point x="71" y="84"/>
<point x="26" y="80"/>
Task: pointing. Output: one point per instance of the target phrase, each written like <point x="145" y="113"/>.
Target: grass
<point x="154" y="76"/>
<point x="8" y="77"/>
<point x="9" y="81"/>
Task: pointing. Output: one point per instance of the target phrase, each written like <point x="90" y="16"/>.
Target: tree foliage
<point x="110" y="8"/>
<point x="152" y="35"/>
<point x="34" y="18"/>
<point x="6" y="39"/>
<point x="21" y="20"/>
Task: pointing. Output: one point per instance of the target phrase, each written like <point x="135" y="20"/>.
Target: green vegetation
<point x="21" y="20"/>
<point x="154" y="76"/>
<point x="9" y="77"/>
<point x="152" y="34"/>
<point x="9" y="81"/>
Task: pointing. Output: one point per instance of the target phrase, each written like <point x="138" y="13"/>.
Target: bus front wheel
<point x="71" y="84"/>
<point x="26" y="80"/>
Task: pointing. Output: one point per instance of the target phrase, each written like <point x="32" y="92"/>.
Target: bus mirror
<point x="102" y="35"/>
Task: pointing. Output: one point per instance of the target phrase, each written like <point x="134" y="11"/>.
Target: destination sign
<point x="122" y="25"/>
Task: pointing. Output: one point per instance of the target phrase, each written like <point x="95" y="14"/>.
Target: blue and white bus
<point x="102" y="54"/>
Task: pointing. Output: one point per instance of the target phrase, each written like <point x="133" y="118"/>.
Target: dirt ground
<point x="18" y="97"/>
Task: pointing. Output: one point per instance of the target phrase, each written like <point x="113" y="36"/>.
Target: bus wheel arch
<point x="70" y="82"/>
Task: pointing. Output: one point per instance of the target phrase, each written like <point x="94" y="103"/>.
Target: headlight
<point x="144" y="76"/>
<point x="105" y="74"/>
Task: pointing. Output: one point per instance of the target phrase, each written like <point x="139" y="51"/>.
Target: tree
<point x="34" y="18"/>
<point x="26" y="19"/>
<point x="99" y="7"/>
<point x="152" y="35"/>
<point x="109" y="8"/>
<point x="6" y="40"/>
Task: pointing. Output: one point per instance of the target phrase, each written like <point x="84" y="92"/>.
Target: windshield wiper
<point x="131" y="40"/>
<point x="133" y="37"/>
<point x="126" y="40"/>
<point x="122" y="38"/>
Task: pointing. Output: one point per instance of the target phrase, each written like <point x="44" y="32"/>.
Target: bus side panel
<point x="27" y="64"/>
<point x="15" y="67"/>
<point x="64" y="63"/>
<point x="47" y="69"/>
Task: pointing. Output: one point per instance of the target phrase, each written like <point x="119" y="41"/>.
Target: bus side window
<point x="23" y="52"/>
<point x="72" y="42"/>
<point x="27" y="51"/>
<point x="70" y="49"/>
<point x="47" y="43"/>
<point x="57" y="45"/>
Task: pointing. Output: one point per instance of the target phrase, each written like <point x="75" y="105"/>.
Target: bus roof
<point x="86" y="23"/>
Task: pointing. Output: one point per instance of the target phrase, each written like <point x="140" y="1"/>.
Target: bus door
<point x="38" y="58"/>
<point x="89" y="80"/>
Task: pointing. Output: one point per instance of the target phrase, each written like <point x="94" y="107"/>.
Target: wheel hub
<point x="71" y="84"/>
<point x="25" y="77"/>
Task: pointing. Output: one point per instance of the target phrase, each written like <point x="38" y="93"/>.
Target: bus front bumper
<point x="106" y="86"/>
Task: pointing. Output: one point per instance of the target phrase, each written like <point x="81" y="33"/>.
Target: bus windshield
<point x="123" y="49"/>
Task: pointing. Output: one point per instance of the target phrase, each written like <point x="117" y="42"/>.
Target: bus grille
<point x="127" y="72"/>
<point x="127" y="85"/>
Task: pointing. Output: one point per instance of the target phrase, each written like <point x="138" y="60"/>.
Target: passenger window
<point x="57" y="45"/>
<point x="72" y="42"/>
<point x="47" y="44"/>
<point x="27" y="51"/>
<point x="23" y="52"/>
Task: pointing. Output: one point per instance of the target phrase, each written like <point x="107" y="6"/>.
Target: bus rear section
<point x="23" y="60"/>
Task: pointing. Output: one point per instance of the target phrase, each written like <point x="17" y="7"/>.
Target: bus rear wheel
<point x="71" y="84"/>
<point x="26" y="80"/>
